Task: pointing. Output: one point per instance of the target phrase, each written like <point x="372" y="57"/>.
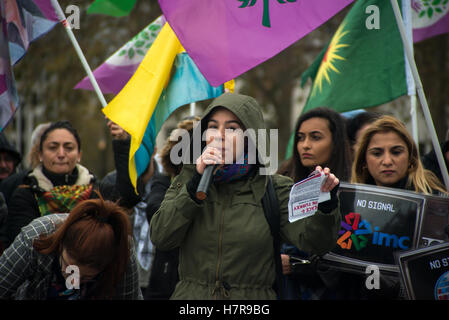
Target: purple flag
<point x="116" y="71"/>
<point x="227" y="38"/>
<point x="8" y="94"/>
<point x="21" y="22"/>
<point x="27" y="21"/>
<point x="429" y="18"/>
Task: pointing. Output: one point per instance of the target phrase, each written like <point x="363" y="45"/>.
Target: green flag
<point x="116" y="8"/>
<point x="363" y="65"/>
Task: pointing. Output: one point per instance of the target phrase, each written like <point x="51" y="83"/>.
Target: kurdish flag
<point x="151" y="95"/>
<point x="116" y="8"/>
<point x="21" y="22"/>
<point x="362" y="66"/>
<point x="227" y="38"/>
<point x="430" y="18"/>
<point x="115" y="72"/>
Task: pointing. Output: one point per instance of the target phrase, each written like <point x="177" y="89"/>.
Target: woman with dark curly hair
<point x="60" y="182"/>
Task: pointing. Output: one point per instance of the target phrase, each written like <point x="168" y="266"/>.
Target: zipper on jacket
<point x="220" y="244"/>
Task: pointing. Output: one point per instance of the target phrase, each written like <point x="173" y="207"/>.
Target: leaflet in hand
<point x="305" y="196"/>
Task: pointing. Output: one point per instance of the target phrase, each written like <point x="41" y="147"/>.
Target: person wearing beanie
<point x="9" y="157"/>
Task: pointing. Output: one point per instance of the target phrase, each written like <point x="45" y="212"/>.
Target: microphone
<point x="206" y="180"/>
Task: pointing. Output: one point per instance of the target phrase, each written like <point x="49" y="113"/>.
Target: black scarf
<point x="61" y="179"/>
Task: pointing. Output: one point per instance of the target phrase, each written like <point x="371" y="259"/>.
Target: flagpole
<point x="411" y="87"/>
<point x="414" y="119"/>
<point x="63" y="20"/>
<point x="421" y="95"/>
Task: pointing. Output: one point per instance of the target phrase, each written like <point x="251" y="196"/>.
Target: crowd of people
<point x="166" y="242"/>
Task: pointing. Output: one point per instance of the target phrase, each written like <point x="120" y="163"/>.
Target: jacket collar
<point x="45" y="182"/>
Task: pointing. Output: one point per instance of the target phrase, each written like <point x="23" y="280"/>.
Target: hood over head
<point x="6" y="146"/>
<point x="248" y="111"/>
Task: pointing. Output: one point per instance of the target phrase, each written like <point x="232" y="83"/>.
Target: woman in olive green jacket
<point x="226" y="249"/>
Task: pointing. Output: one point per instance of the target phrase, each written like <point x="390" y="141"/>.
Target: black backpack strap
<point x="270" y="206"/>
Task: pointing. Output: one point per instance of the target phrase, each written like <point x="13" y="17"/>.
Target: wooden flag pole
<point x="63" y="20"/>
<point x="421" y="95"/>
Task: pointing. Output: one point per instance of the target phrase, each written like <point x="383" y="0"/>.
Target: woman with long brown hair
<point x="320" y="140"/>
<point x="85" y="254"/>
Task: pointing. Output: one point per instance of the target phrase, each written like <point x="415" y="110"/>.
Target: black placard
<point x="378" y="222"/>
<point x="425" y="272"/>
<point x="374" y="226"/>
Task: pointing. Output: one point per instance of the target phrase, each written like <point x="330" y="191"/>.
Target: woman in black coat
<point x="59" y="182"/>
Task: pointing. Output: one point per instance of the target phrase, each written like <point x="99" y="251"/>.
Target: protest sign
<point x="377" y="222"/>
<point x="425" y="272"/>
<point x="306" y="195"/>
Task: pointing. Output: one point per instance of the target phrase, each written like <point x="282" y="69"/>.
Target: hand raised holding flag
<point x="116" y="131"/>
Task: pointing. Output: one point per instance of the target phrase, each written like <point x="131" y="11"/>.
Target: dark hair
<point x="340" y="159"/>
<point x="96" y="234"/>
<point x="60" y="125"/>
<point x="6" y="146"/>
<point x="353" y="125"/>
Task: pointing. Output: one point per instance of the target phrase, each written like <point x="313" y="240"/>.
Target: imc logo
<point x="358" y="233"/>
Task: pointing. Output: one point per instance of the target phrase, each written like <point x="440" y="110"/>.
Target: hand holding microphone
<point x="206" y="165"/>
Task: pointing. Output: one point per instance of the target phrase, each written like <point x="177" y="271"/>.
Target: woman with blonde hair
<point x="388" y="157"/>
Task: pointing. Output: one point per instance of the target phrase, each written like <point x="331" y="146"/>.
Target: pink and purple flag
<point x="227" y="38"/>
<point x="116" y="71"/>
<point x="21" y="22"/>
<point x="429" y="18"/>
<point x="8" y="93"/>
<point x="27" y="21"/>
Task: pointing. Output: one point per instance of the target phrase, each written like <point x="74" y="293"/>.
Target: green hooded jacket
<point x="226" y="249"/>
